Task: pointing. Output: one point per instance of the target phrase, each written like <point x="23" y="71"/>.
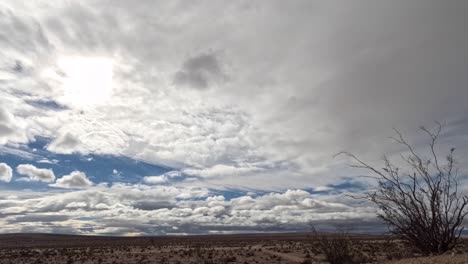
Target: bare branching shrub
<point x="422" y="205"/>
<point x="337" y="247"/>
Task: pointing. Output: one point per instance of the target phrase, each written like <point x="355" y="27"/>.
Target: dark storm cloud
<point x="199" y="72"/>
<point x="39" y="218"/>
<point x="149" y="205"/>
<point x="363" y="68"/>
<point x="400" y="67"/>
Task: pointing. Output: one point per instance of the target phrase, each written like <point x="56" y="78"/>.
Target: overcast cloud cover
<point x="227" y="113"/>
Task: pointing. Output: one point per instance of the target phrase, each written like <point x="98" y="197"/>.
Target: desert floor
<point x="251" y="248"/>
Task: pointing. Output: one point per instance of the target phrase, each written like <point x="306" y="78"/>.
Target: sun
<point x="86" y="81"/>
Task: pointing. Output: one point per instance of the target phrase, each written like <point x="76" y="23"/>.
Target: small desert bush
<point x="339" y="248"/>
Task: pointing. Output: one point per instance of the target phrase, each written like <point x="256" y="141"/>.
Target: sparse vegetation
<point x="223" y="251"/>
<point x="265" y="249"/>
<point x="422" y="204"/>
<point x="339" y="247"/>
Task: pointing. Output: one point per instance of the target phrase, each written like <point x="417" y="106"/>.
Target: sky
<point x="195" y="117"/>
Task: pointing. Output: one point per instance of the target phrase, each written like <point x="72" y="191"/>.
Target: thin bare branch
<point x="424" y="207"/>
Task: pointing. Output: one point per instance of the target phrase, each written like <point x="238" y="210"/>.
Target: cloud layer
<point x="244" y="96"/>
<point x="140" y="209"/>
<point x="261" y="102"/>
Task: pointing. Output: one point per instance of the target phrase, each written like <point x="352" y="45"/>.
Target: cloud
<point x="11" y="129"/>
<point x="65" y="144"/>
<point x="290" y="102"/>
<point x="20" y="33"/>
<point x="36" y="174"/>
<point x="76" y="205"/>
<point x="199" y="72"/>
<point x="162" y="178"/>
<point x="220" y="170"/>
<point x="159" y="210"/>
<point x="6" y="173"/>
<point x="75" y="179"/>
<point x="11" y="150"/>
<point x="7" y="119"/>
<point x="155" y="179"/>
<point x="39" y="218"/>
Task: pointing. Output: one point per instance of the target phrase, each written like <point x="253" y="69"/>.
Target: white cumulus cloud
<point x="36" y="174"/>
<point x="163" y="178"/>
<point x="76" y="179"/>
<point x="163" y="206"/>
<point x="6" y="173"/>
<point x="155" y="179"/>
<point x="64" y="144"/>
<point x="11" y="128"/>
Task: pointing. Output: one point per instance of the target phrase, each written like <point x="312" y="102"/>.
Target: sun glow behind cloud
<point x="87" y="80"/>
<point x="253" y="100"/>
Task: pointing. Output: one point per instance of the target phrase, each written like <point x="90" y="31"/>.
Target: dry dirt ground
<point x="252" y="248"/>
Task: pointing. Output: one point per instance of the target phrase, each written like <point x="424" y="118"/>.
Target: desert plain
<point x="205" y="249"/>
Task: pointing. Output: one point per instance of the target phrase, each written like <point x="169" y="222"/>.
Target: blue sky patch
<point x="47" y="104"/>
<point x="98" y="168"/>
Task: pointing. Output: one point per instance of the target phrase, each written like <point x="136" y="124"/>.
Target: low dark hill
<point x="57" y="241"/>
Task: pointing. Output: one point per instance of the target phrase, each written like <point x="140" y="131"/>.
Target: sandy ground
<point x="445" y="259"/>
<point x="263" y="249"/>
